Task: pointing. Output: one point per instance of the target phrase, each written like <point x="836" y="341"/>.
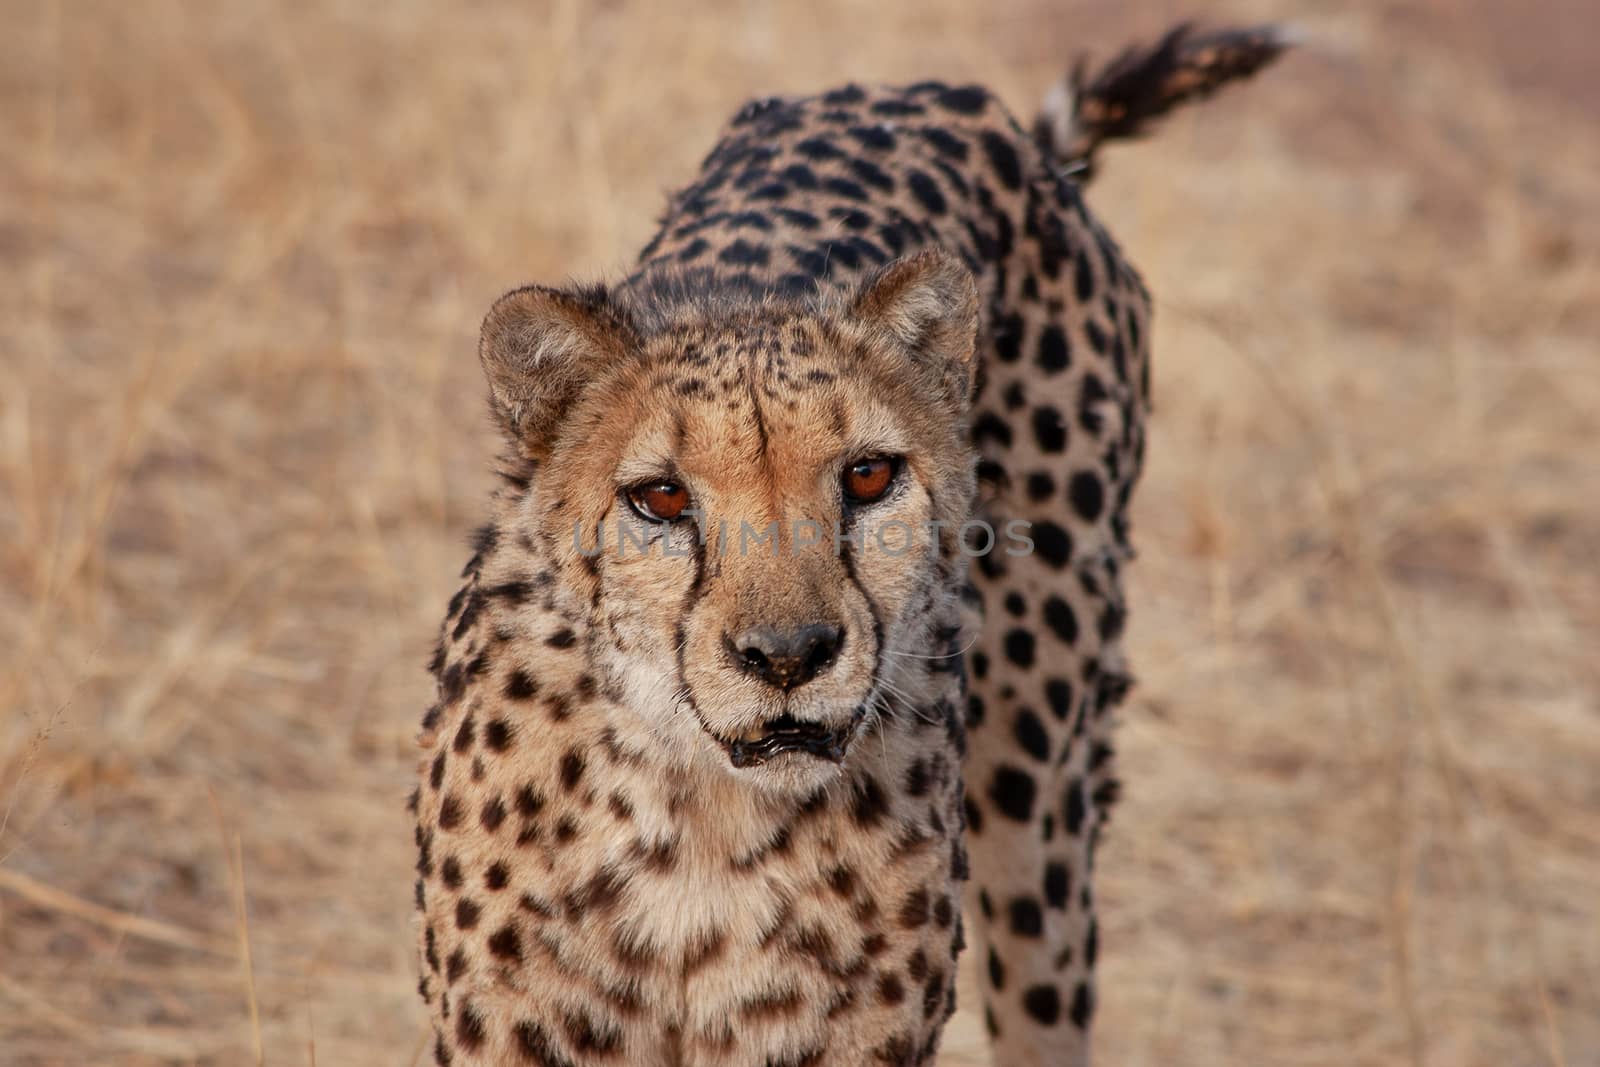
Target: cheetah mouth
<point x="789" y="734"/>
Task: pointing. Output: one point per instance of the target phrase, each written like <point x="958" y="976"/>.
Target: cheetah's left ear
<point x="927" y="303"/>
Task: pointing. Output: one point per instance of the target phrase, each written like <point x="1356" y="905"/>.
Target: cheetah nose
<point x="786" y="659"/>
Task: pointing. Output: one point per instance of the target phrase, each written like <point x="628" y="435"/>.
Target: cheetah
<point x="801" y="598"/>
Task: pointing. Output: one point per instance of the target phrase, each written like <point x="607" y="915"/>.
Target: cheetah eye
<point x="867" y="480"/>
<point x="658" y="501"/>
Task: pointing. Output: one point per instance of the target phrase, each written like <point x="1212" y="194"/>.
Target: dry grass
<point x="245" y="248"/>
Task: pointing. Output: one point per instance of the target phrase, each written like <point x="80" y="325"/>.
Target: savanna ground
<point x="243" y="253"/>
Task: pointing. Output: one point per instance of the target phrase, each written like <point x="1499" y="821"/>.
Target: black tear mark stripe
<point x="848" y="558"/>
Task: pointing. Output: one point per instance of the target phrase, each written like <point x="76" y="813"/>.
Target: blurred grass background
<point x="244" y="249"/>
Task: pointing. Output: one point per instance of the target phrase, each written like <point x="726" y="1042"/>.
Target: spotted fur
<point x="612" y="868"/>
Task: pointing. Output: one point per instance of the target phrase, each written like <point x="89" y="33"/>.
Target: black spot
<point x="528" y="802"/>
<point x="585" y="1035"/>
<point x="1087" y="495"/>
<point x="469" y="1028"/>
<point x="974" y="814"/>
<point x="1057" y="885"/>
<point x="1082" y="1006"/>
<point x="914" y="910"/>
<point x="818" y="148"/>
<point x="467" y="912"/>
<point x="436" y="772"/>
<point x="1091" y="942"/>
<point x="897" y="108"/>
<point x="430" y="720"/>
<point x="1016" y="604"/>
<point x="497" y="735"/>
<point x="753" y="220"/>
<point x="872" y="174"/>
<point x="997" y="970"/>
<point x="497" y="876"/>
<point x="1096" y="335"/>
<point x="852" y="218"/>
<point x="693" y="249"/>
<point x="975" y="709"/>
<point x="927" y="192"/>
<point x="562" y="638"/>
<point x="515" y="592"/>
<point x="1041" y="486"/>
<point x="841" y="251"/>
<point x="743" y="253"/>
<point x="1026" y="918"/>
<point x="469" y="615"/>
<point x="917" y="779"/>
<point x="520" y="685"/>
<point x="847" y="94"/>
<point x="1012" y="792"/>
<point x="814" y="264"/>
<point x="991" y="427"/>
<point x="1073" y="807"/>
<point x="964" y="100"/>
<point x="571" y="769"/>
<point x="1059" y="692"/>
<point x="505" y="944"/>
<point x="450" y="873"/>
<point x="867" y="249"/>
<point x="1043" y="1003"/>
<point x="754" y="109"/>
<point x="1054" y="354"/>
<point x="803" y="220"/>
<point x="465" y="735"/>
<point x="945" y="143"/>
<point x="1007" y="331"/>
<point x="846" y="188"/>
<point x="493" y="814"/>
<point x="455" y="966"/>
<point x="537" y="1048"/>
<point x="770" y="191"/>
<point x="1049" y="430"/>
<point x="799" y="175"/>
<point x="1061" y="619"/>
<point x="1053" y="543"/>
<point x="1083" y="277"/>
<point x="1003" y="158"/>
<point x="876" y="137"/>
<point x="1020" y="647"/>
<point x="1031" y="735"/>
<point x="450" y="813"/>
<point x="894" y="236"/>
<point x="869" y="804"/>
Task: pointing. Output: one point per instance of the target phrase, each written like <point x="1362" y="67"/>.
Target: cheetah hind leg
<point x="1040" y="781"/>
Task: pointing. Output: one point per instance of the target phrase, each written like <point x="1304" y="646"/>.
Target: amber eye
<point x="867" y="480"/>
<point x="659" y="501"/>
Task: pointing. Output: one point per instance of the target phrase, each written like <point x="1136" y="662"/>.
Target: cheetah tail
<point x="1126" y="96"/>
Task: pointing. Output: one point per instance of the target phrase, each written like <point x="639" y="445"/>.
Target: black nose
<point x="789" y="659"/>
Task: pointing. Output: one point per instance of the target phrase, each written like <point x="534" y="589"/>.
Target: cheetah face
<point x="760" y="503"/>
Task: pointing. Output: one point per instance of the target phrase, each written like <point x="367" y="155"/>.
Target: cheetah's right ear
<point x="538" y="347"/>
<point x="927" y="304"/>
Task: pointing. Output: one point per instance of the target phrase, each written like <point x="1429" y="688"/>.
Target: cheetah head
<point x="759" y="501"/>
